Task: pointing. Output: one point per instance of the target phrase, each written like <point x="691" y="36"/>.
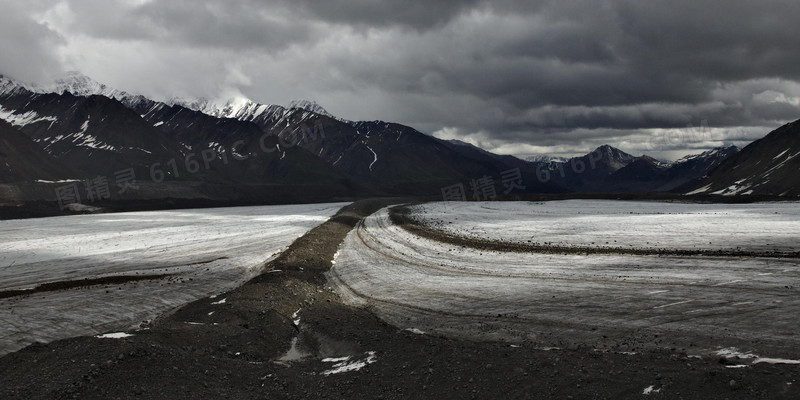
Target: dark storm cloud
<point x="714" y="40"/>
<point x="505" y="74"/>
<point x="416" y="14"/>
<point x="230" y="24"/>
<point x="27" y="46"/>
<point x="620" y="54"/>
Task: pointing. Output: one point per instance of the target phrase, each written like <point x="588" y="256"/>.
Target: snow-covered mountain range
<point x="93" y="129"/>
<point x="241" y="108"/>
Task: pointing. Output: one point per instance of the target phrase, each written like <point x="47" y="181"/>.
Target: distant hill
<point x="611" y="170"/>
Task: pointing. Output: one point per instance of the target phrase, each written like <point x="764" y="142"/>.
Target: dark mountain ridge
<point x="90" y="129"/>
<point x="768" y="166"/>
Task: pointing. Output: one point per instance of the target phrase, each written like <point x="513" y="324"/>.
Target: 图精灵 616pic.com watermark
<point x="125" y="180"/>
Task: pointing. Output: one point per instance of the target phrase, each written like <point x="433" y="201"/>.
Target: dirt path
<point x="286" y="335"/>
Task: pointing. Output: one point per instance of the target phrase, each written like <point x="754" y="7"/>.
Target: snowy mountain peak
<point x="79" y="84"/>
<point x="201" y="104"/>
<point x="238" y="107"/>
<point x="243" y="108"/>
<point x="716" y="152"/>
<point x="612" y="156"/>
<point x="309" y="105"/>
<point x="9" y="86"/>
<point x="613" y="153"/>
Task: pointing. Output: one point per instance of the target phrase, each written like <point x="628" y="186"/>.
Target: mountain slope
<point x="530" y="175"/>
<point x="692" y="168"/>
<point x="101" y="135"/>
<point x="199" y="125"/>
<point x="768" y="166"/>
<point x="393" y="157"/>
<point x="242" y="151"/>
<point x="22" y="160"/>
<point x="400" y="159"/>
<point x="646" y="174"/>
<point x="643" y="174"/>
<point x="94" y="134"/>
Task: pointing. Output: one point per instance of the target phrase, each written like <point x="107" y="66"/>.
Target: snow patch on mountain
<point x="713" y="153"/>
<point x="545" y="159"/>
<point x="23" y="119"/>
<point x="374" y="154"/>
<point x="309" y="105"/>
<point x="9" y="86"/>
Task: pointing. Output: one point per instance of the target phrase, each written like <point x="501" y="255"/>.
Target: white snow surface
<point x="374" y="154"/>
<point x="441" y="288"/>
<point x="733" y="352"/>
<point x="344" y="364"/>
<point x="22" y="119"/>
<point x="623" y="224"/>
<point x="650" y="389"/>
<point x="58" y="181"/>
<point x="700" y="190"/>
<point x="114" y="335"/>
<point x="206" y="252"/>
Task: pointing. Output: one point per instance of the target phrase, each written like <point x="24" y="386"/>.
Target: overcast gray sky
<point x="515" y="77"/>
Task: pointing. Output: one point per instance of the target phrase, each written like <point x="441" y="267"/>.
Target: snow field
<point x="624" y="224"/>
<point x="430" y="286"/>
<point x="205" y="252"/>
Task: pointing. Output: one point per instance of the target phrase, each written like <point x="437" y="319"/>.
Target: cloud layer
<point x="518" y="77"/>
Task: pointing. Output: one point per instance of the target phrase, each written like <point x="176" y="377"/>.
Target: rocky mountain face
<point x="94" y="134"/>
<point x="687" y="171"/>
<point x="172" y="150"/>
<point x="768" y="166"/>
<point x="22" y="160"/>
